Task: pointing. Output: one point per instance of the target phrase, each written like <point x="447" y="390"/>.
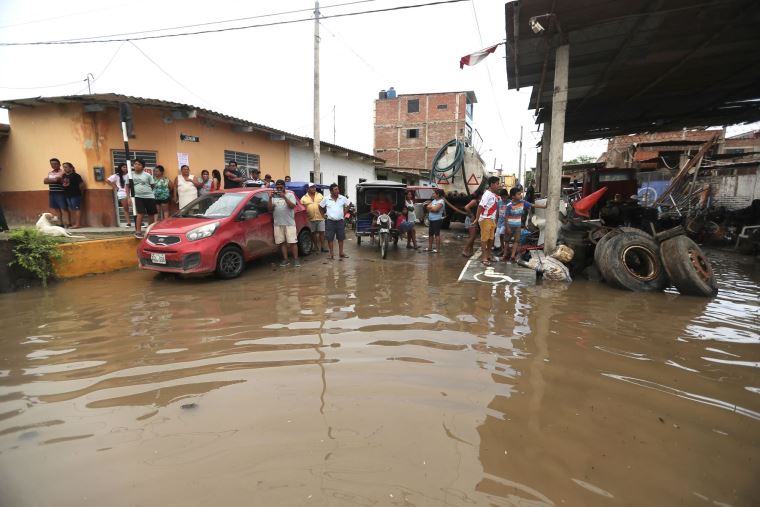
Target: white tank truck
<point x="460" y="172"/>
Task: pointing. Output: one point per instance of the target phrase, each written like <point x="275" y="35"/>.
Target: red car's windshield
<point x="212" y="206"/>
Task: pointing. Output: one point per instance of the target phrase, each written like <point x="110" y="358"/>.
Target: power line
<point x="166" y="73"/>
<point x="40" y="87"/>
<point x="357" y="55"/>
<point x="95" y="78"/>
<point x="217" y="30"/>
<point x="208" y="23"/>
<point x="488" y="70"/>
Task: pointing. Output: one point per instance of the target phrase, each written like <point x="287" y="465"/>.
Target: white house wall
<point x="332" y="165"/>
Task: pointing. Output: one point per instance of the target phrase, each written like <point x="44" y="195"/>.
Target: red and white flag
<point x="476" y="57"/>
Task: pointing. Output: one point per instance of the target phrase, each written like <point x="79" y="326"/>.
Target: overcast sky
<point x="265" y="74"/>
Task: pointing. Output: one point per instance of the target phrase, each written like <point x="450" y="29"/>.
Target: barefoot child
<point x="513" y="214"/>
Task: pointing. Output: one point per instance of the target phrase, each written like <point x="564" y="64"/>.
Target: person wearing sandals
<point x="435" y="210"/>
<point x="282" y="204"/>
<point x="333" y="208"/>
<point x="118" y="180"/>
<point x="486" y="218"/>
<point x="163" y="191"/>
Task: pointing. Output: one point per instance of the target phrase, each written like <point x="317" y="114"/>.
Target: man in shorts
<point x="514" y="214"/>
<point x="282" y="205"/>
<point x="56" y="197"/>
<point x="486" y="218"/>
<point x="316" y="220"/>
<point x="333" y="208"/>
<point x="145" y="200"/>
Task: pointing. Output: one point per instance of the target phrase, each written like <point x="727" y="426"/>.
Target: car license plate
<point x="158" y="258"/>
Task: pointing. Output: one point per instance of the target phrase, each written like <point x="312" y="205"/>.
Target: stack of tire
<point x="631" y="259"/>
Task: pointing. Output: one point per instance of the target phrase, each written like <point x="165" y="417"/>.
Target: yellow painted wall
<point x="99" y="256"/>
<point x="38" y="134"/>
<point x="86" y="140"/>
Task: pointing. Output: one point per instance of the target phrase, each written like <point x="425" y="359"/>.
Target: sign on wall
<point x="182" y="159"/>
<point x="189" y="138"/>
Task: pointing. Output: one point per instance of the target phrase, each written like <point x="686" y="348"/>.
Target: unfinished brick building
<point x="410" y="129"/>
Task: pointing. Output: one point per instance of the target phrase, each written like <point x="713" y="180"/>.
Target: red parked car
<point x="218" y="232"/>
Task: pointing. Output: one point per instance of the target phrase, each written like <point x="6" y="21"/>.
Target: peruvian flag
<point x="476" y="57"/>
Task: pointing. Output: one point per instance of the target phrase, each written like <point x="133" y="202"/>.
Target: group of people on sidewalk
<point x="65" y="193"/>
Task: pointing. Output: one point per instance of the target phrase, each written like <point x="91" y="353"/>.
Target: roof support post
<point x="545" y="147"/>
<point x="554" y="184"/>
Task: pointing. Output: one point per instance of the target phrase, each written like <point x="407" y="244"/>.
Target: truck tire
<point x="305" y="243"/>
<point x="688" y="268"/>
<point x="632" y="261"/>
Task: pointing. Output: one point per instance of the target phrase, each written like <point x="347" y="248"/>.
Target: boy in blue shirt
<point x="513" y="214"/>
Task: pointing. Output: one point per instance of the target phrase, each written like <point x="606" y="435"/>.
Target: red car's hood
<point x="180" y="226"/>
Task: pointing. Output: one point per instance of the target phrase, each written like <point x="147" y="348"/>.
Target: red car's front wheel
<point x="230" y="262"/>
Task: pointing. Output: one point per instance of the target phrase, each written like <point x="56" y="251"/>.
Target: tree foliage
<point x="582" y="159"/>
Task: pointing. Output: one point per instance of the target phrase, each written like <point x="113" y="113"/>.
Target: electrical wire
<point x="488" y="71"/>
<point x="228" y="29"/>
<point x="40" y="87"/>
<point x="209" y="23"/>
<point x="166" y="73"/>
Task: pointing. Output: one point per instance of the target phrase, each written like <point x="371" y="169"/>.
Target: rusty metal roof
<point x="640" y="65"/>
<point x="114" y="99"/>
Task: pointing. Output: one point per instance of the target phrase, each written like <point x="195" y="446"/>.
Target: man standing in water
<point x="282" y="205"/>
<point x="486" y="218"/>
<point x="316" y="220"/>
<point x="333" y="208"/>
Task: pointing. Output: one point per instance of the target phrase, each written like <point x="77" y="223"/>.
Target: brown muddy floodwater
<point x="370" y="382"/>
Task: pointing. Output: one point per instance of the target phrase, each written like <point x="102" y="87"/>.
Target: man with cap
<point x="255" y="179"/>
<point x="316" y="220"/>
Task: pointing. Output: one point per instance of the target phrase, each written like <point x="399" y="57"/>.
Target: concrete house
<point x="86" y="131"/>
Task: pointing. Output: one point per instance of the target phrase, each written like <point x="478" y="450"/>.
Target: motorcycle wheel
<point x="384" y="244"/>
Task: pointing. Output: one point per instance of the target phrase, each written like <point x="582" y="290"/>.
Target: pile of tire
<point x="631" y="259"/>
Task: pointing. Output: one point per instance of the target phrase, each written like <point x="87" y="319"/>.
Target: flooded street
<point x="371" y="382"/>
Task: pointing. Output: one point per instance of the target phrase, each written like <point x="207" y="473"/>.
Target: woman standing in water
<point x="163" y="191"/>
<point x="186" y="187"/>
<point x="118" y="180"/>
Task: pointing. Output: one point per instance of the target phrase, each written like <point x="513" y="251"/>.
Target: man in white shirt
<point x="486" y="217"/>
<point x="255" y="179"/>
<point x="333" y="208"/>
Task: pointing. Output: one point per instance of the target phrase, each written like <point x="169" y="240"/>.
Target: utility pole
<point x="334" y="124"/>
<point x="317" y="171"/>
<point x="519" y="157"/>
<point x="554" y="183"/>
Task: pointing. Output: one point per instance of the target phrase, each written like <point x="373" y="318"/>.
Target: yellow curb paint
<point x="99" y="256"/>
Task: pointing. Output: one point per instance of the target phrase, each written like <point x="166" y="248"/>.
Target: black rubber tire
<point x="230" y="262"/>
<point x="688" y="268"/>
<point x="384" y="245"/>
<point x="670" y="233"/>
<point x="602" y="242"/>
<point x="305" y="243"/>
<point x="632" y="261"/>
<point x="358" y="240"/>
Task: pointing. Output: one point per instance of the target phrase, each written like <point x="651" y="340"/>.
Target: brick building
<point x="410" y="129"/>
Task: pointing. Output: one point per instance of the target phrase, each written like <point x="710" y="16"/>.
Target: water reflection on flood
<point x="369" y="382"/>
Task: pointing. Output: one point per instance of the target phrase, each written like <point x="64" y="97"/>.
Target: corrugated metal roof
<point x="114" y="99"/>
<point x="640" y="65"/>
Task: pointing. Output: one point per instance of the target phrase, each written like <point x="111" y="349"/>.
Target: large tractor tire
<point x="632" y="261"/>
<point x="688" y="268"/>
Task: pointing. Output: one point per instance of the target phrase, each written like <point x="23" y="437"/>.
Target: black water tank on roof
<point x="383" y="95"/>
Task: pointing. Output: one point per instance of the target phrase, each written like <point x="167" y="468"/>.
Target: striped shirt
<point x="515" y="212"/>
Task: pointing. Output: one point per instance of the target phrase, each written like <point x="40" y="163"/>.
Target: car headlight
<point x="204" y="231"/>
